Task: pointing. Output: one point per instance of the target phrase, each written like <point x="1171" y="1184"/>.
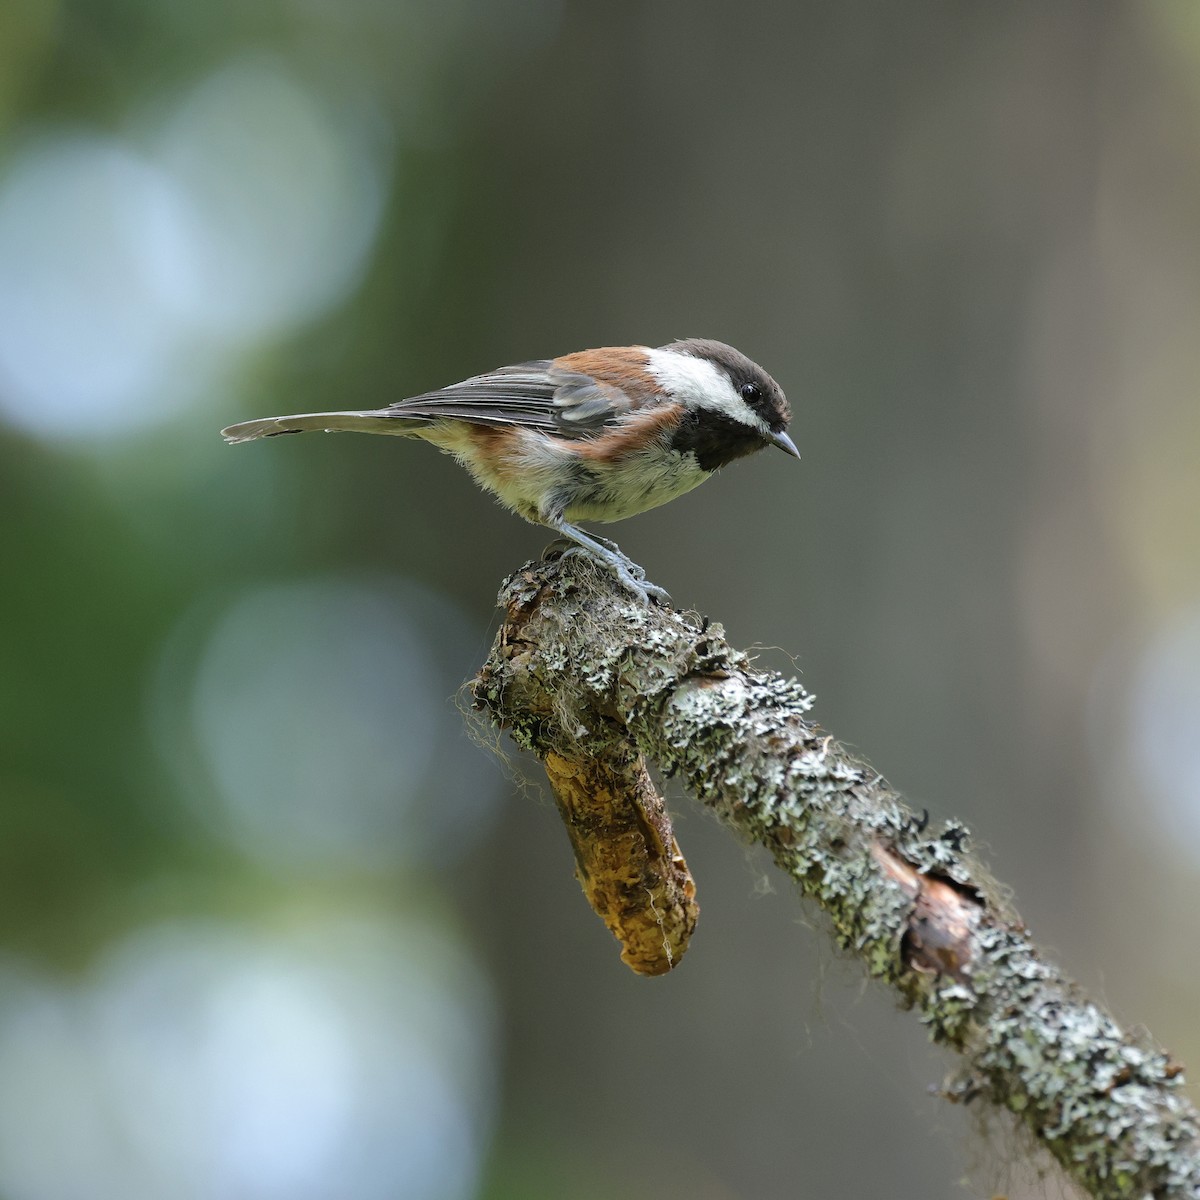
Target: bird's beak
<point x="785" y="443"/>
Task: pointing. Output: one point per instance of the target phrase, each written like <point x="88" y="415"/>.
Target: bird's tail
<point x="331" y="422"/>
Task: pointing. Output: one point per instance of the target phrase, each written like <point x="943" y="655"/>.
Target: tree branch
<point x="583" y="673"/>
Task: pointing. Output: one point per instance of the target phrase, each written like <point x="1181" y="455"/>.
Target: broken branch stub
<point x="626" y="858"/>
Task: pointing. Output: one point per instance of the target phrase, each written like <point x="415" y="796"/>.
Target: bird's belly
<point x="632" y="485"/>
<point x="535" y="474"/>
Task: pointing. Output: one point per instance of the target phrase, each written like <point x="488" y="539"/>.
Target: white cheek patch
<point x="701" y="383"/>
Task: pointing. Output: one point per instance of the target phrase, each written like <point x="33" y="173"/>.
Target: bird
<point x="597" y="435"/>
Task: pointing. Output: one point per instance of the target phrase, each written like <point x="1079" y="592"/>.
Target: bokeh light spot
<point x="84" y="339"/>
<point x="342" y="1057"/>
<point x="283" y="201"/>
<point x="1164" y="729"/>
<point x="132" y="277"/>
<point x="314" y="720"/>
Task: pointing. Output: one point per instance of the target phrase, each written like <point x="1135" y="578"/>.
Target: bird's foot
<point x="624" y="568"/>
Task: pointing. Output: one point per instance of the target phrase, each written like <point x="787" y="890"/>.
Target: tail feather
<point x="330" y="422"/>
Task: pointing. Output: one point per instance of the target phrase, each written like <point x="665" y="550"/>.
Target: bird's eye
<point x="751" y="392"/>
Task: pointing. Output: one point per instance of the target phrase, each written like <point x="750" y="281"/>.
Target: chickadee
<point x="595" y="436"/>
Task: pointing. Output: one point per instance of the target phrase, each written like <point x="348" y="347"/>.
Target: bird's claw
<point x="652" y="592"/>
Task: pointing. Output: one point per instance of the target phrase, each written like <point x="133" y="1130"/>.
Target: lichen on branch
<point x="582" y="668"/>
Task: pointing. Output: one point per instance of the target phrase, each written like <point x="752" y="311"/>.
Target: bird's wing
<point x="544" y="394"/>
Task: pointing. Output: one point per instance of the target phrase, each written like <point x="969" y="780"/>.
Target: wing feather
<point x="537" y="395"/>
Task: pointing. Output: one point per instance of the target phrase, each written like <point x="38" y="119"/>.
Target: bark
<point x="597" y="683"/>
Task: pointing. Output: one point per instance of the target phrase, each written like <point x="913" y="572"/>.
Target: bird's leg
<point x="609" y="544"/>
<point x="623" y="567"/>
<point x="571" y="543"/>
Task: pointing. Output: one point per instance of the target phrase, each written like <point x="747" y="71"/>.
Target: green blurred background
<point x="272" y="925"/>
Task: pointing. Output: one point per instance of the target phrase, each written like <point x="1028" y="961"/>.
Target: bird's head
<point x="733" y="406"/>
